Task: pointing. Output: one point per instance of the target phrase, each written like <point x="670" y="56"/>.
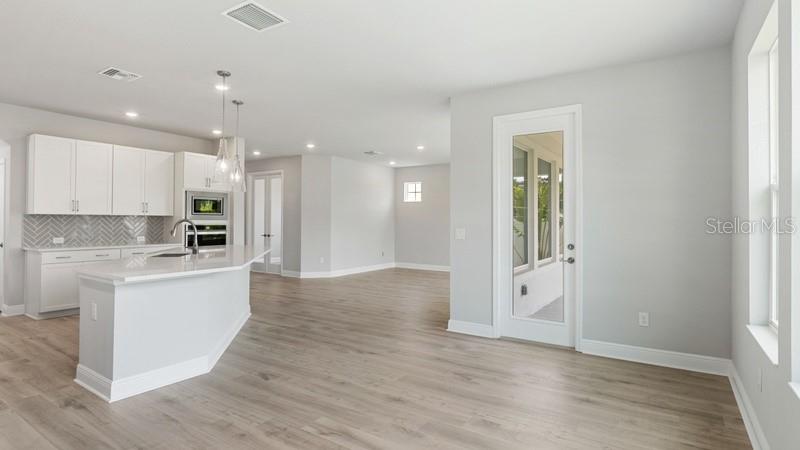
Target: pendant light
<point x="237" y="173"/>
<point x="222" y="165"/>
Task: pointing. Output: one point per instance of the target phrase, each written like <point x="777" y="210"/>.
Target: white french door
<point x="536" y="248"/>
<point x="266" y="218"/>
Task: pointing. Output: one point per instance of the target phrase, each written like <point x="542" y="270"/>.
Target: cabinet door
<point x="195" y="172"/>
<point x="50" y="175"/>
<point x="159" y="183"/>
<point x="93" y="168"/>
<point x="128" y="181"/>
<point x="59" y="287"/>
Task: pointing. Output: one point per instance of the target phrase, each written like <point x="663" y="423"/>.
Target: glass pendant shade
<point x="237" y="175"/>
<point x="222" y="165"/>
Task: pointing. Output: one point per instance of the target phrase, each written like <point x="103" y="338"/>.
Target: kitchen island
<point x="150" y="321"/>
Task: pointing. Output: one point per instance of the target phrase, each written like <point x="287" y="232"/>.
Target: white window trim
<point x="774" y="165"/>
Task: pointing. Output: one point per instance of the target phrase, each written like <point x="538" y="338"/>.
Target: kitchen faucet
<point x="195" y="248"/>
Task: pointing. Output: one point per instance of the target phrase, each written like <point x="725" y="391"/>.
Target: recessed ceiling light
<point x="310" y="146"/>
<point x="391" y="163"/>
<point x="256" y="153"/>
<point x="132" y="114"/>
<point x="217" y="132"/>
<point x="221" y="87"/>
<point x="420" y="147"/>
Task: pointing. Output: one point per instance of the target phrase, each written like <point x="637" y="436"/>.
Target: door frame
<point x="3" y="220"/>
<point x="502" y="260"/>
<point x="250" y="206"/>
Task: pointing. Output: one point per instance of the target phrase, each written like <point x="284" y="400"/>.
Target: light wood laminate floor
<point x="363" y="362"/>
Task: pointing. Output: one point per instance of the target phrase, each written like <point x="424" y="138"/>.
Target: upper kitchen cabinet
<point x="143" y="182"/>
<point x="68" y="176"/>
<point x="196" y="173"/>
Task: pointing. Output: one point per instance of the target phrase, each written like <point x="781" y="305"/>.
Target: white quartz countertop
<point x="103" y="247"/>
<point x="140" y="269"/>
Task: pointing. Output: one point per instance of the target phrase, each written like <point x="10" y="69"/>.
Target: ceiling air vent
<point x="373" y="153"/>
<point x="119" y="74"/>
<point x="254" y="16"/>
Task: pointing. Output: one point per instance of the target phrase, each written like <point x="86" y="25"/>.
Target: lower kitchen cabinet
<point x="51" y="277"/>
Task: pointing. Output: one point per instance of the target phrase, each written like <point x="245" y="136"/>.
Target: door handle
<point x="268" y="235"/>
<point x="571" y="260"/>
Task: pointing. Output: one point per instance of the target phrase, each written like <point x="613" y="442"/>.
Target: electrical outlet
<point x="644" y="319"/>
<point x="461" y="234"/>
<point x="58" y="240"/>
<point x="94" y="311"/>
<point x="140" y="239"/>
<point x="524" y="289"/>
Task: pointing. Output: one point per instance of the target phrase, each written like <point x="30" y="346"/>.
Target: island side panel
<point x="96" y="339"/>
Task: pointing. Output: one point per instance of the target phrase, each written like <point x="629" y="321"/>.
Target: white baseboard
<point x="223" y="345"/>
<point x="290" y="273"/>
<point x="112" y="391"/>
<point x="471" y="328"/>
<point x="656" y="357"/>
<point x="757" y="437"/>
<point x="345" y="272"/>
<point x="414" y="266"/>
<point x="12" y="310"/>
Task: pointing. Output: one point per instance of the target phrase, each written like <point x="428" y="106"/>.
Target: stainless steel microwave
<point x="206" y="205"/>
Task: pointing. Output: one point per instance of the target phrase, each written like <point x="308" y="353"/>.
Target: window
<point x="412" y="191"/>
<point x="773" y="184"/>
<point x="520" y="207"/>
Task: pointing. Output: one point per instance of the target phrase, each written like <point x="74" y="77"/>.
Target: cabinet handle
<point x="77" y="205"/>
<point x="102" y="256"/>
<point x="73" y="205"/>
<point x="137" y="253"/>
<point x="63" y="257"/>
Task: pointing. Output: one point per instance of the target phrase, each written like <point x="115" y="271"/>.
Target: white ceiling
<point x="347" y="75"/>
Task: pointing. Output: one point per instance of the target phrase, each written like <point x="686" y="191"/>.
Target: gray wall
<point x="422" y="230"/>
<point x="316" y="214"/>
<point x="16" y="123"/>
<point x="777" y="408"/>
<point x="656" y="149"/>
<point x="362" y="214"/>
<point x="292" y="178"/>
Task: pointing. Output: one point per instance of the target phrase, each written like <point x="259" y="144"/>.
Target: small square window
<point x="412" y="191"/>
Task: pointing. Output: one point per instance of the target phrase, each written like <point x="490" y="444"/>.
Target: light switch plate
<point x="58" y="240"/>
<point x="644" y="319"/>
<point x="461" y="234"/>
<point x="140" y="239"/>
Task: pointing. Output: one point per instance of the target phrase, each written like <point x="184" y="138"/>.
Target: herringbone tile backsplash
<point x="38" y="231"/>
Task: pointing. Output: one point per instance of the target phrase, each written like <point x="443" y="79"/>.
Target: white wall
<point x="776" y="407"/>
<point x="656" y="148"/>
<point x="315" y="237"/>
<point x="362" y="214"/>
<point x="422" y="230"/>
<point x="292" y="186"/>
<point x="16" y="123"/>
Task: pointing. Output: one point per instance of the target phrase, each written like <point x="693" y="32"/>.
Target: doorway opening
<point x="536" y="242"/>
<point x="266" y="219"/>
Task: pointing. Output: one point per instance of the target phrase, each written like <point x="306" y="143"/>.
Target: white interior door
<point x="267" y="219"/>
<point x="2" y="226"/>
<point x="536" y="158"/>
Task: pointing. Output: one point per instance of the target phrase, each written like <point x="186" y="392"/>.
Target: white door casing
<point x="568" y="120"/>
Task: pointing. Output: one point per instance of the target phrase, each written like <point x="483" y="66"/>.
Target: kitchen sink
<point x="171" y="255"/>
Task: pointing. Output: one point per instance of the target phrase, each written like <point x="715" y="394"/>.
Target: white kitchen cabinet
<point x="68" y="176"/>
<point x="128" y="181"/>
<point x="143" y="182"/>
<point x="51" y="276"/>
<point x="197" y="171"/>
<point x="51" y="279"/>
<point x="93" y="184"/>
<point x="159" y="183"/>
<point x="50" y="175"/>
